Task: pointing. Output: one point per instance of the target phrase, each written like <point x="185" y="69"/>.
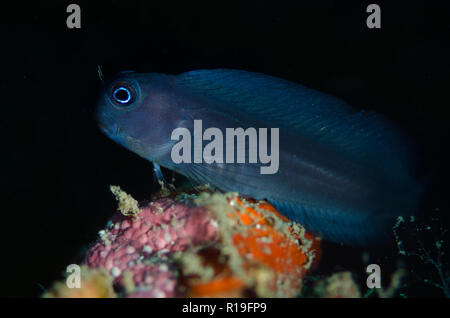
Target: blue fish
<point x="344" y="174"/>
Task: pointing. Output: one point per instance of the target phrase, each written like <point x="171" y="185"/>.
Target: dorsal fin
<point x="365" y="135"/>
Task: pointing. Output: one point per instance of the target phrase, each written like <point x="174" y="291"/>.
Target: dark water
<point x="59" y="166"/>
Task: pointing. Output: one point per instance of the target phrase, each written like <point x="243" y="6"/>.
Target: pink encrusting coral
<point x="138" y="246"/>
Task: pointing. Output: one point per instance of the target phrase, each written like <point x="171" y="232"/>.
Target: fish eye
<point x="123" y="94"/>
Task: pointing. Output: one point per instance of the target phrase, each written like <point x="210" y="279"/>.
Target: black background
<point x="59" y="166"/>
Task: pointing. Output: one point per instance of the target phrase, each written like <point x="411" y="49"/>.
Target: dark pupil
<point x="122" y="95"/>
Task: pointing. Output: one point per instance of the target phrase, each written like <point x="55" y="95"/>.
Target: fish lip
<point x="103" y="129"/>
<point x="109" y="132"/>
<point x="113" y="134"/>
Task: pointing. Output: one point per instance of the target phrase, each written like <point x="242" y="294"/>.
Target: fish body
<point x="343" y="174"/>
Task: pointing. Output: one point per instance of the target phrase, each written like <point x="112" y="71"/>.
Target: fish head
<point x="137" y="111"/>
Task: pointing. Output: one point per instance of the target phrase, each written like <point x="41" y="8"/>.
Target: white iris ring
<point x="122" y="101"/>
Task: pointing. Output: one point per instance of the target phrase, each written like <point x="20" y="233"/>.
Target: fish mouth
<point x="110" y="131"/>
<point x="115" y="133"/>
<point x="106" y="123"/>
<point x="104" y="129"/>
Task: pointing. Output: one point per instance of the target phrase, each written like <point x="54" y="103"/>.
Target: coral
<point x="266" y="253"/>
<point x="202" y="245"/>
<point x="338" y="285"/>
<point x="425" y="240"/>
<point x="391" y="290"/>
<point x="141" y="245"/>
<point x="94" y="283"/>
<point x="127" y="204"/>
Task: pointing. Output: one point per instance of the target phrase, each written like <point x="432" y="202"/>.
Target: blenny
<point x="344" y="174"/>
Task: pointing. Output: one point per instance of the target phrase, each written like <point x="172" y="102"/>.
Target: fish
<point x="345" y="174"/>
